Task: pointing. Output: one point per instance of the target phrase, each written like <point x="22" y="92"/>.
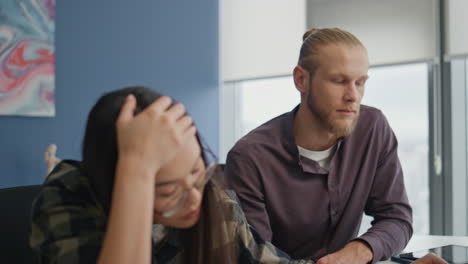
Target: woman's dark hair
<point x="206" y="242"/>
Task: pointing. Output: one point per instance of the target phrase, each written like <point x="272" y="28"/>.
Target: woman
<point x="146" y="190"/>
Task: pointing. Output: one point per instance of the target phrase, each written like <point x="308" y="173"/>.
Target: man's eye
<point x="361" y="82"/>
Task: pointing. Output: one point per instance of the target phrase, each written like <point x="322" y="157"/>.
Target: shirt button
<point x="334" y="212"/>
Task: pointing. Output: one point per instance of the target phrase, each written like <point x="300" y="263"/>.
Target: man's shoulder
<point x="371" y="113"/>
<point x="371" y="117"/>
<point x="372" y="125"/>
<point x="269" y="133"/>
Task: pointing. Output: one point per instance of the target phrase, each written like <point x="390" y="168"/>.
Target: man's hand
<point x="355" y="252"/>
<point x="430" y="259"/>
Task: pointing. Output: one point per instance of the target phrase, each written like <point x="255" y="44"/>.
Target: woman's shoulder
<point x="67" y="172"/>
<point x="229" y="197"/>
<point x="66" y="218"/>
<point x="66" y="184"/>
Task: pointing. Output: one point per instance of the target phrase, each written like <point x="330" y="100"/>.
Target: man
<point x="306" y="177"/>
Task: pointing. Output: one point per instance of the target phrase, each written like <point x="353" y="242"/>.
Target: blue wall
<point x="107" y="44"/>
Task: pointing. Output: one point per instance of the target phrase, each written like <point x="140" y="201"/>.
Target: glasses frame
<point x="209" y="172"/>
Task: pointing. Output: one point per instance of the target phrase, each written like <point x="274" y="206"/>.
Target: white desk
<point x="425" y="242"/>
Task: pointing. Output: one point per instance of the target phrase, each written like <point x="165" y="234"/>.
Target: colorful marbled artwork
<point x="27" y="76"/>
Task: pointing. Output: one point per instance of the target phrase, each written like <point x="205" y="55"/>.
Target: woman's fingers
<point x="176" y="111"/>
<point x="184" y="123"/>
<point x="160" y="105"/>
<point x="126" y="113"/>
<point x="191" y="131"/>
<point x="156" y="134"/>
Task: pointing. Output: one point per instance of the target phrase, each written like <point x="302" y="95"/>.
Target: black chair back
<point x="15" y="224"/>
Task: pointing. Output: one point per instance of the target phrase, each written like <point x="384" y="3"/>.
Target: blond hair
<point x="316" y="38"/>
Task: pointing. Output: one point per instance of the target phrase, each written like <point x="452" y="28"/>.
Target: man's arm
<point x="243" y="177"/>
<point x="354" y="252"/>
<point x="388" y="203"/>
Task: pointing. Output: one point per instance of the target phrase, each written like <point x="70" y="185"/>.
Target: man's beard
<point x="325" y="117"/>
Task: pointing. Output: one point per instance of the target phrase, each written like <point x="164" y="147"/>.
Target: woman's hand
<point x="154" y="136"/>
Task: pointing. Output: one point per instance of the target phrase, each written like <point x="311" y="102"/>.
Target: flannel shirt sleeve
<point x="67" y="226"/>
<point x="254" y="249"/>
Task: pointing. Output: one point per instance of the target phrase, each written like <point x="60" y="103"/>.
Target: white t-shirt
<point x="323" y="158"/>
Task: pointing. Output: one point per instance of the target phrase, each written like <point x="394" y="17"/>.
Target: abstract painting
<point x="27" y="72"/>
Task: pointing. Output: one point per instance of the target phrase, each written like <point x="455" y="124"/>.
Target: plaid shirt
<point x="68" y="226"/>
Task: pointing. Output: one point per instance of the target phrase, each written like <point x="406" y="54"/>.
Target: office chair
<point x="15" y="224"/>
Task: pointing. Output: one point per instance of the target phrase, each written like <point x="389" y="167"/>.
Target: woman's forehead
<point x="188" y="157"/>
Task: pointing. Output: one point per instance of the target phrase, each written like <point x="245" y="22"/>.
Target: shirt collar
<point x="289" y="143"/>
<point x="159" y="233"/>
<point x="163" y="235"/>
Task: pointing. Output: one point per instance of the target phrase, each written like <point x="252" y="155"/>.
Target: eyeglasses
<point x="170" y="204"/>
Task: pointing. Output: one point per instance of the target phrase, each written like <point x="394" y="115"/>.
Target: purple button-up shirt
<point x="309" y="211"/>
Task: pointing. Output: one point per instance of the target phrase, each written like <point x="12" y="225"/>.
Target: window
<point x="458" y="138"/>
<point x="401" y="92"/>
<point x="261" y="100"/>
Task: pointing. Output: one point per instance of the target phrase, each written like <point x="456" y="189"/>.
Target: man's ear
<point x="301" y="77"/>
